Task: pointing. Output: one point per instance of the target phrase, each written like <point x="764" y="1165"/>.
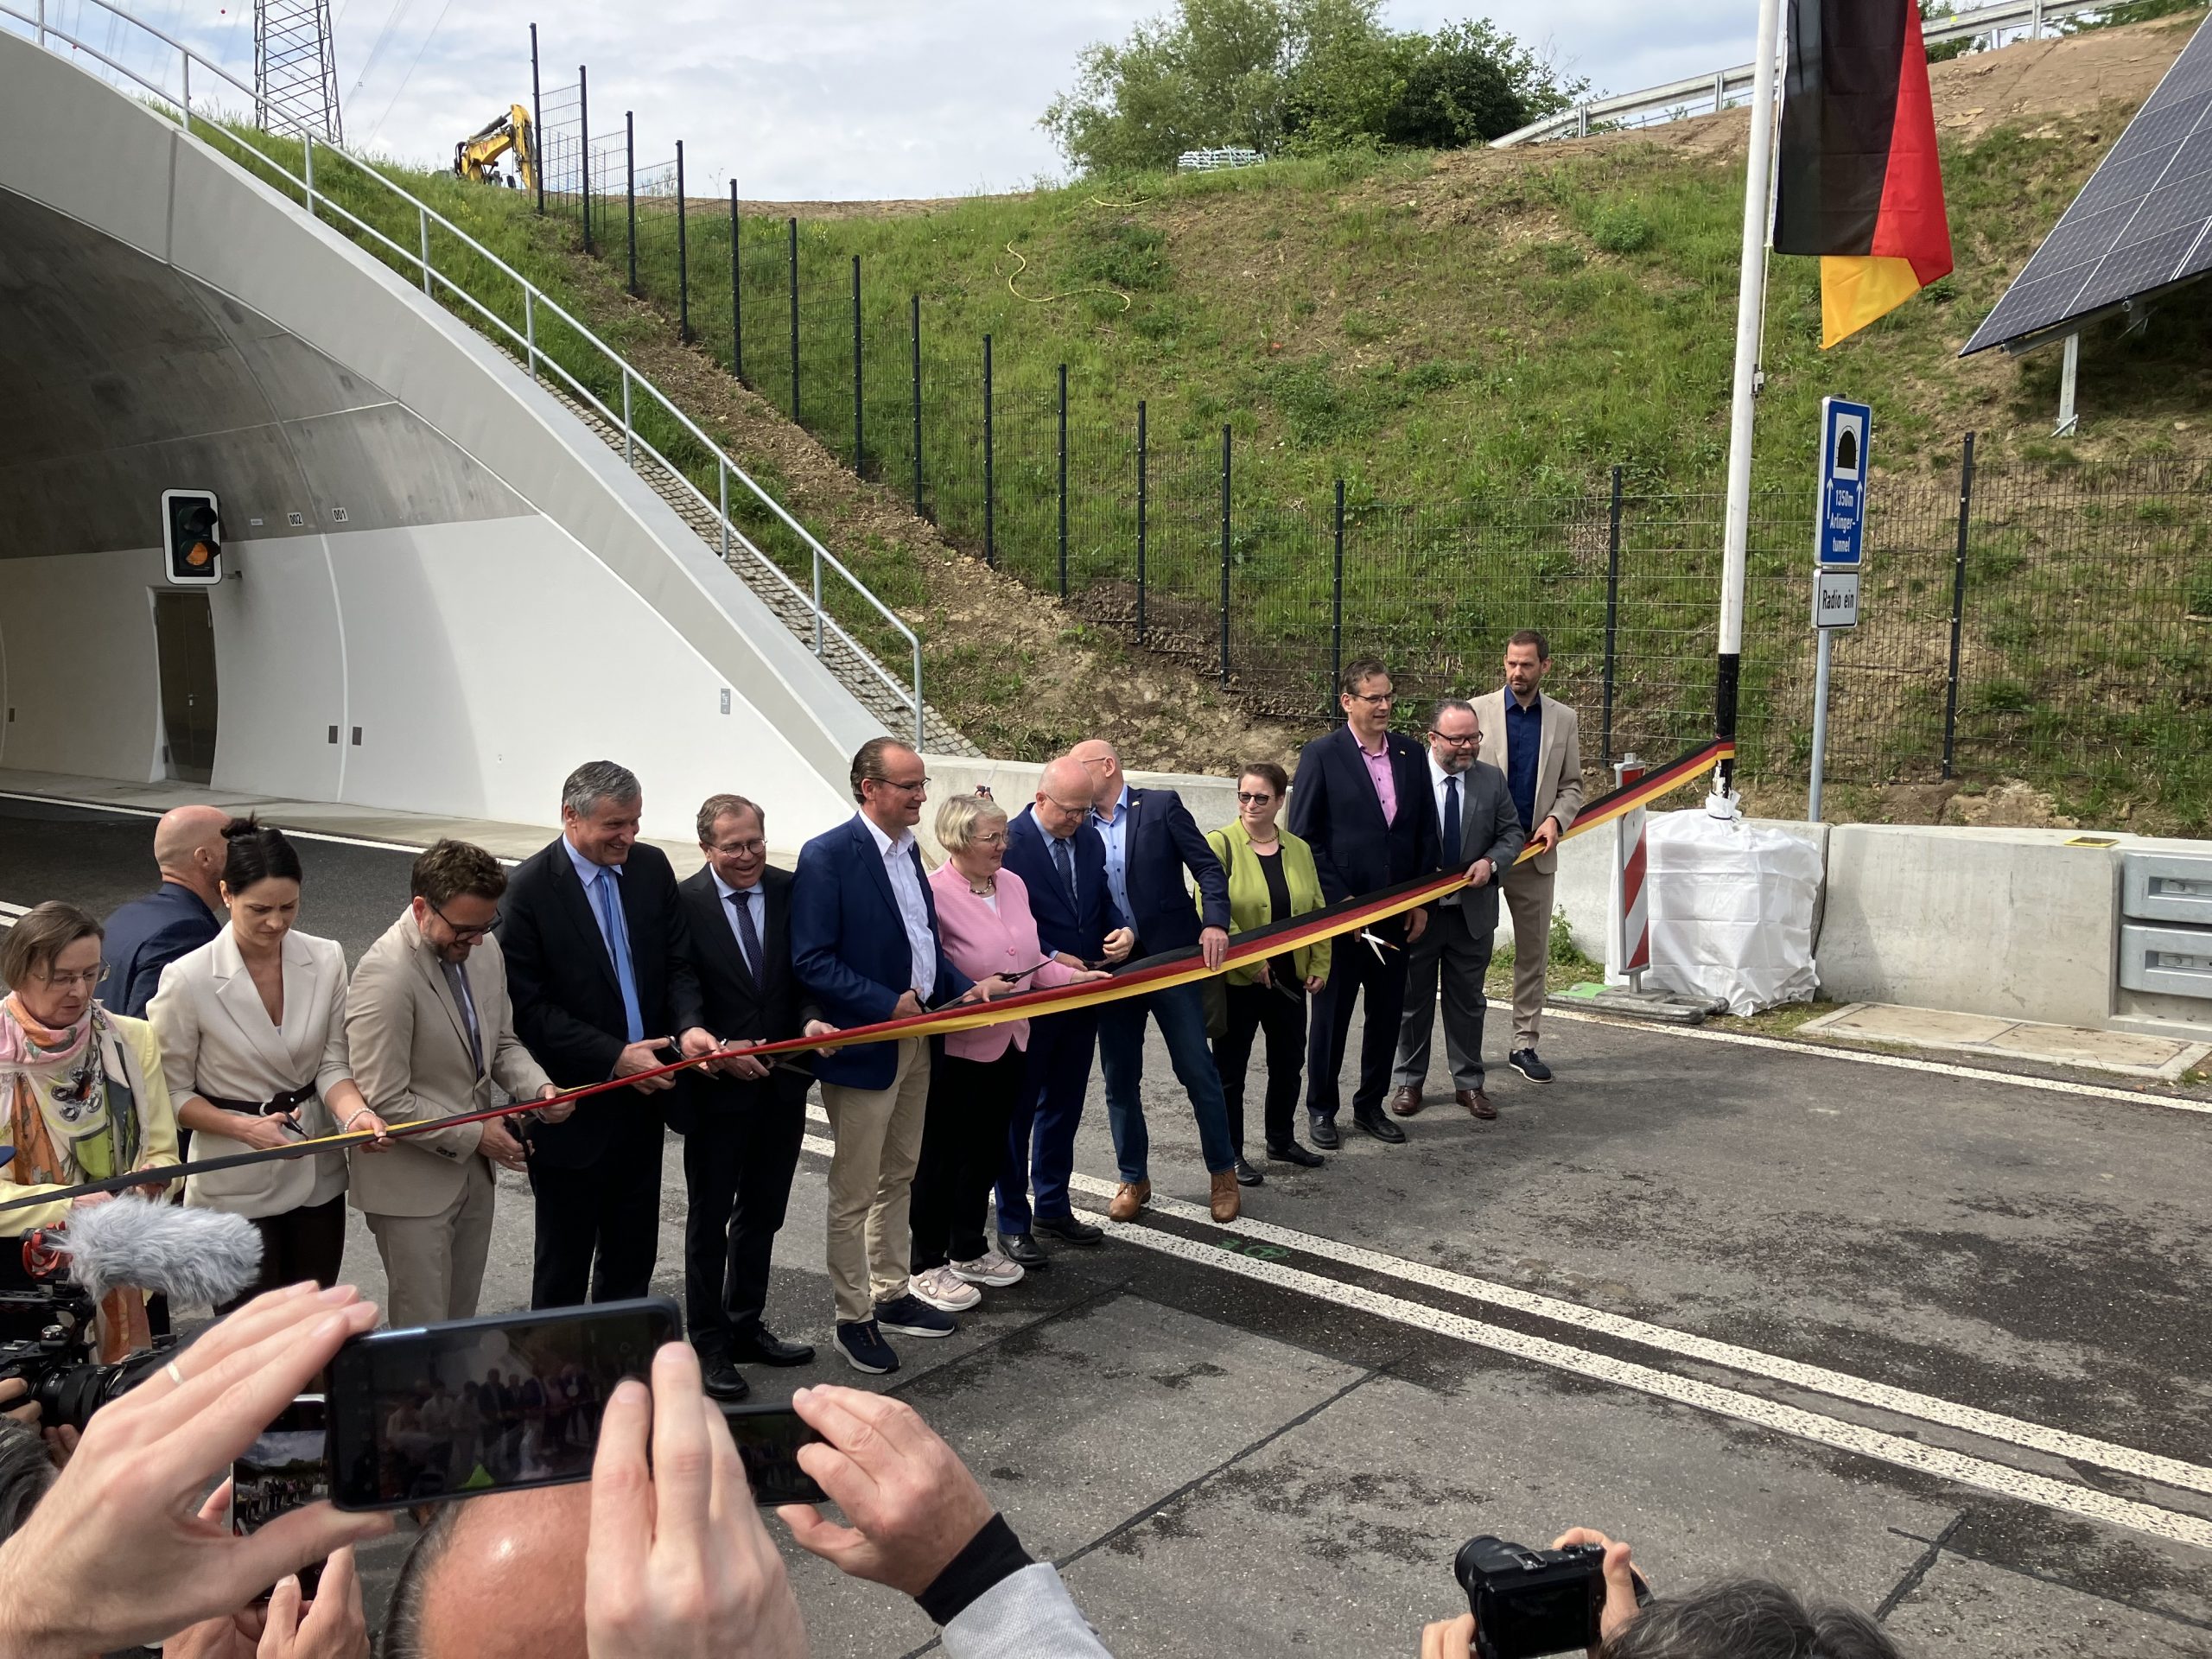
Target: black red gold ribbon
<point x="1136" y="979"/>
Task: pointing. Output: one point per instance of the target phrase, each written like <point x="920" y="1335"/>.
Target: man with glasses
<point x="429" y="1031"/>
<point x="1480" y="833"/>
<point x="1360" y="802"/>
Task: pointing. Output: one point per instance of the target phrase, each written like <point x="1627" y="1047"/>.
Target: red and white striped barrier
<point x="1628" y="921"/>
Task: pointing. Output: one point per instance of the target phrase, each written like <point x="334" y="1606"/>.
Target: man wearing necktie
<point x="598" y="963"/>
<point x="1481" y="834"/>
<point x="743" y="1128"/>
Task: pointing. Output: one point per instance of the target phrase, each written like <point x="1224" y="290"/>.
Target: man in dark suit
<point x="599" y="969"/>
<point x="146" y="935"/>
<point x="1062" y="861"/>
<point x="1360" y="800"/>
<point x="1151" y="839"/>
<point x="865" y="944"/>
<point x="741" y="1128"/>
<point x="1481" y="832"/>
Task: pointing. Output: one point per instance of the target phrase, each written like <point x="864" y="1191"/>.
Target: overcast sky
<point x="821" y="99"/>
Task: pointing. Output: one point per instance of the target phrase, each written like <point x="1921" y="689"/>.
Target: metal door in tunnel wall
<point x="184" y="638"/>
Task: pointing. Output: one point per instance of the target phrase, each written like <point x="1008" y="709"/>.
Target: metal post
<point x="1958" y="604"/>
<point x="537" y="119"/>
<point x="2069" y="368"/>
<point x="920" y="511"/>
<point x="306" y="165"/>
<point x="1337" y="605"/>
<point x="990" y="497"/>
<point x="1140" y="506"/>
<point x="736" y="292"/>
<point x="630" y="188"/>
<point x="1820" y="721"/>
<point x="817" y="602"/>
<point x="188" y="67"/>
<point x="683" y="256"/>
<point x="721" y="477"/>
<point x="39" y="24"/>
<point x="530" y="327"/>
<point x="583" y="124"/>
<point x="860" y="463"/>
<point x="1720" y="91"/>
<point x="1224" y="555"/>
<point x="1612" y="617"/>
<point x="1063" y="481"/>
<point x="422" y="217"/>
<point x="627" y="456"/>
<point x="794" y="262"/>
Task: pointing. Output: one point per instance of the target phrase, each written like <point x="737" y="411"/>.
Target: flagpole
<point x="1750" y="298"/>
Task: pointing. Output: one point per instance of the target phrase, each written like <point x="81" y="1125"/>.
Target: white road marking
<point x="296" y="835"/>
<point x="1793" y="1420"/>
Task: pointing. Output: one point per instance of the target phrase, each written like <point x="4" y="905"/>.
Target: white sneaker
<point x="944" y="1289"/>
<point x="989" y="1268"/>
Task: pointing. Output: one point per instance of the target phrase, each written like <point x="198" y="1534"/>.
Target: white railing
<point x="1708" y="94"/>
<point x="319" y="204"/>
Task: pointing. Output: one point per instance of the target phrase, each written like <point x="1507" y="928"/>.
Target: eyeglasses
<point x="461" y="932"/>
<point x="998" y="840"/>
<point x="91" y="979"/>
<point x="1244" y="799"/>
<point x="752" y="849"/>
<point x="1380" y="700"/>
<point x="914" y="788"/>
<point x="1062" y="806"/>
<point x="1456" y="739"/>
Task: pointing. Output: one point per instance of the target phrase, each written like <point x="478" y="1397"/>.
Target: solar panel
<point x="2142" y="223"/>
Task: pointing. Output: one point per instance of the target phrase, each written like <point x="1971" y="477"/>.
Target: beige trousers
<point x="434" y="1265"/>
<point x="1528" y="897"/>
<point x="871" y="1181"/>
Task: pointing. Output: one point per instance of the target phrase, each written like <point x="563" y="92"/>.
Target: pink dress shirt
<point x="980" y="940"/>
<point x="1378" y="772"/>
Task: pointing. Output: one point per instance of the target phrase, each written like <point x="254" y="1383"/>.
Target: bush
<point x="1623" y="228"/>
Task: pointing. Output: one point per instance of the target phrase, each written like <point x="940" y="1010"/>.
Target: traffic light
<point x="192" y="537"/>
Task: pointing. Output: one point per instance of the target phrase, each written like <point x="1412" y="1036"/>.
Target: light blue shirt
<point x="752" y="898"/>
<point x="1117" y="866"/>
<point x="899" y="864"/>
<point x="613" y="931"/>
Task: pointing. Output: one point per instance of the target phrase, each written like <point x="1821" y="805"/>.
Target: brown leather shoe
<point x="1227" y="1205"/>
<point x="1477" y="1102"/>
<point x="1404" y="1100"/>
<point x="1132" y="1196"/>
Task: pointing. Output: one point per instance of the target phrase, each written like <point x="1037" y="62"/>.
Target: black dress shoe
<point x="1322" y="1131"/>
<point x="767" y="1348"/>
<point x="1248" y="1176"/>
<point x="1069" y="1230"/>
<point x="1524" y="1061"/>
<point x="1022" y="1250"/>
<point x="722" y="1379"/>
<point x="1304" y="1157"/>
<point x="1379" y="1126"/>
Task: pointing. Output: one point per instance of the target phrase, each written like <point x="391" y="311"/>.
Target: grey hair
<point x="1749" y="1618"/>
<point x="957" y="818"/>
<point x="26" y="1471"/>
<point x="1452" y="705"/>
<point x="595" y="781"/>
<point x="403" y="1619"/>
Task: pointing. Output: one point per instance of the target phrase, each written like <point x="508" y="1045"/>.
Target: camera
<point x="45" y="1334"/>
<point x="1528" y="1602"/>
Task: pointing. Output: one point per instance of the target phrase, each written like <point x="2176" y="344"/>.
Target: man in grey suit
<point x="1480" y="833"/>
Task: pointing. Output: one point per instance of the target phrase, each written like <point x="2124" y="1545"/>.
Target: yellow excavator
<point x="477" y="155"/>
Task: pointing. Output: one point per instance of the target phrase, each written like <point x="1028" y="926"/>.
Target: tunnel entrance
<point x="184" y="641"/>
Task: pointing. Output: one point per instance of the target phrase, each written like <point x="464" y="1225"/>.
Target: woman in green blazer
<point x="1271" y="879"/>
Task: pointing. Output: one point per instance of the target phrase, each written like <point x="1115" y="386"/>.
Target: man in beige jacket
<point x="430" y="1030"/>
<point x="1537" y="744"/>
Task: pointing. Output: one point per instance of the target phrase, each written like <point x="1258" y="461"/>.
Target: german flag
<point x="1857" y="180"/>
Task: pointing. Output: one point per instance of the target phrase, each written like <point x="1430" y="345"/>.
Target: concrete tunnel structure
<point x="448" y="591"/>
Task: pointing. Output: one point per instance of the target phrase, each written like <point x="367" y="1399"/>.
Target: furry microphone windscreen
<point x="196" y="1257"/>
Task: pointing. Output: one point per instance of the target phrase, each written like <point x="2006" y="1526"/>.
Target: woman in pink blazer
<point x="982" y="916"/>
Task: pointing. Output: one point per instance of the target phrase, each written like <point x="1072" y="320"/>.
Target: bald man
<point x="497" y="1577"/>
<point x="1061" y="859"/>
<point x="146" y="935"/>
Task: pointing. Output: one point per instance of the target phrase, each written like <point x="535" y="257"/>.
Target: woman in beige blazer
<point x="252" y="1030"/>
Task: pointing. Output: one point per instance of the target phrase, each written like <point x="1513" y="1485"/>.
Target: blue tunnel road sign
<point x="1845" y="429"/>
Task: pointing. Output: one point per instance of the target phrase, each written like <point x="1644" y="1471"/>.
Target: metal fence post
<point x="1612" y="618"/>
<point x="1224" y="555"/>
<point x="629" y="455"/>
<point x="1141" y="514"/>
<point x="1063" y="481"/>
<point x="920" y="511"/>
<point x="736" y="292"/>
<point x="1958" y="604"/>
<point x="990" y="525"/>
<point x="306" y="166"/>
<point x="859" y="454"/>
<point x="1336" y="606"/>
<point x="683" y="256"/>
<point x="630" y="188"/>
<point x="537" y="131"/>
<point x="794" y="263"/>
<point x="530" y="327"/>
<point x="583" y="124"/>
<point x="422" y="215"/>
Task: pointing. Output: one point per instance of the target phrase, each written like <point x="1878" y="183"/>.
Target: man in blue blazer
<point x="1151" y="839"/>
<point x="1361" y="800"/>
<point x="865" y="946"/>
<point x="146" y="935"/>
<point x="1062" y="861"/>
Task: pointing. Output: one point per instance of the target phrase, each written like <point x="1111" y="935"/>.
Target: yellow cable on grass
<point x="1046" y="299"/>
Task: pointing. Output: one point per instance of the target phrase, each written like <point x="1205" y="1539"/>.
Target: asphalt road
<point x="1934" y="1346"/>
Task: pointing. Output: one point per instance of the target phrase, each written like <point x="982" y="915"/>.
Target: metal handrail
<point x="826" y="627"/>
<point x="1717" y="91"/>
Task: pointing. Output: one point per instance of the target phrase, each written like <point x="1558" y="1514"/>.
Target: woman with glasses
<point x="252" y="1029"/>
<point x="1271" y="879"/>
<point x="81" y="1089"/>
<point x="982" y="916"/>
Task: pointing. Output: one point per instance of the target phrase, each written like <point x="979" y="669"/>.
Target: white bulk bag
<point x="1730" y="904"/>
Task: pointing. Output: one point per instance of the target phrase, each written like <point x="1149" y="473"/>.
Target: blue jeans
<point x="1047" y="1111"/>
<point x="1181" y="1013"/>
